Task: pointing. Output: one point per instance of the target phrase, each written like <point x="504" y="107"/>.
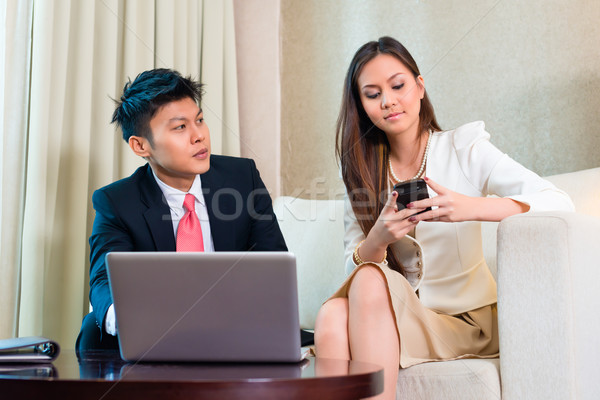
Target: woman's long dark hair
<point x="362" y="148"/>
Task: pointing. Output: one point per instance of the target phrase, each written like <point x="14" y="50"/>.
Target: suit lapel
<point x="221" y="231"/>
<point x="158" y="214"/>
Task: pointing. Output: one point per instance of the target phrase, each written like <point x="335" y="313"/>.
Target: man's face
<point x="180" y="143"/>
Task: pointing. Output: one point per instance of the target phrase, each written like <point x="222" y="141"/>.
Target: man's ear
<point x="139" y="146"/>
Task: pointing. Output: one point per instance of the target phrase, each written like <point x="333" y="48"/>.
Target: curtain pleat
<point x="82" y="53"/>
<point x="224" y="126"/>
<point x="15" y="39"/>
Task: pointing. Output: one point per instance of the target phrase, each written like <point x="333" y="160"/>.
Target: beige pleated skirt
<point x="426" y="335"/>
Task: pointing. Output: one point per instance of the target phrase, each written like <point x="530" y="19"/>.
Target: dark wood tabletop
<point x="103" y="375"/>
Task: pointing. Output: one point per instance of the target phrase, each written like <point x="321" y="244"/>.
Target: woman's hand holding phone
<point x="455" y="207"/>
<point x="450" y="206"/>
<point x="410" y="191"/>
<point x="391" y="226"/>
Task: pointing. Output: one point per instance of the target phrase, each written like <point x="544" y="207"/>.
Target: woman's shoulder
<point x="466" y="135"/>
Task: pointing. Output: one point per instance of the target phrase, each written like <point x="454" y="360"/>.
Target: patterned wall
<point x="530" y="70"/>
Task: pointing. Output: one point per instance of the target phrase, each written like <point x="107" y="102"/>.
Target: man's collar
<point x="175" y="197"/>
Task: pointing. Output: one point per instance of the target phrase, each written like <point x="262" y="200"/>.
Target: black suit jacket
<point x="133" y="215"/>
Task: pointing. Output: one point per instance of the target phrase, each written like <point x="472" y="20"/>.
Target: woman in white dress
<point x="418" y="288"/>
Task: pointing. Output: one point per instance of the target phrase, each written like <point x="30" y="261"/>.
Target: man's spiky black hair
<point x="143" y="97"/>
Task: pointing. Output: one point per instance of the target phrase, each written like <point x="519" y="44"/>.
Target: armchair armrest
<point x="548" y="305"/>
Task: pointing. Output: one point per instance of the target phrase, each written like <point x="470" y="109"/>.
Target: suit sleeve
<point x="265" y="234"/>
<point x="108" y="234"/>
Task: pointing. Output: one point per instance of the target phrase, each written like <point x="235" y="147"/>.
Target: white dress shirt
<point x="175" y="200"/>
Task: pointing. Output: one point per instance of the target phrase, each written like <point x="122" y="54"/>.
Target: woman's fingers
<point x="423" y="204"/>
<point x="439" y="202"/>
<point x="431" y="201"/>
<point x="436" y="187"/>
<point x="407" y="212"/>
<point x="431" y="215"/>
<point x="390" y="203"/>
<point x="393" y="224"/>
<point x="390" y="209"/>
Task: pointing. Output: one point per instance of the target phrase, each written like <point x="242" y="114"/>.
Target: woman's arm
<point x="455" y="207"/>
<point x="496" y="209"/>
<point x="483" y="170"/>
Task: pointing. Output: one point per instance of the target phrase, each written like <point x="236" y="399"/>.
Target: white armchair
<point x="548" y="297"/>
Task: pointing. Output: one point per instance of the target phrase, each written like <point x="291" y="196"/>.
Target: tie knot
<point x="189" y="202"/>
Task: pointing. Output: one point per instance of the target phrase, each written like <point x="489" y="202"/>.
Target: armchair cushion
<point x="548" y="302"/>
<point x="469" y="379"/>
<point x="313" y="231"/>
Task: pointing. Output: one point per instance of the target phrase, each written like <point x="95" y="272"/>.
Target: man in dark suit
<point x="162" y="122"/>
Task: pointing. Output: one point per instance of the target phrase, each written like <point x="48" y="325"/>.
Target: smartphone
<point x="411" y="191"/>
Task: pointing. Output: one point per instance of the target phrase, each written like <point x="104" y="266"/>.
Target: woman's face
<point x="390" y="95"/>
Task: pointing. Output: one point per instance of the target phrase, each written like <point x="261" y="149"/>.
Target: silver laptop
<point x="205" y="307"/>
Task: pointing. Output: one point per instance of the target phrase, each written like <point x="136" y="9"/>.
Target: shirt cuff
<point x="110" y="323"/>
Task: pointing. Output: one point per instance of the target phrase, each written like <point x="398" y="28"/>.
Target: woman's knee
<point x="332" y="317"/>
<point x="369" y="288"/>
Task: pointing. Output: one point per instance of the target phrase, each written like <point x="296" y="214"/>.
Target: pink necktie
<point x="189" y="232"/>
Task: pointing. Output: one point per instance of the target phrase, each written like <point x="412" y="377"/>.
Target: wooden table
<point x="103" y="375"/>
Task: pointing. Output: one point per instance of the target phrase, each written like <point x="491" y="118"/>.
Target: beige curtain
<point x="81" y="54"/>
<point x="15" y="19"/>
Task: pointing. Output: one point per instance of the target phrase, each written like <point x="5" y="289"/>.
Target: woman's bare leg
<point x="372" y="327"/>
<point x="331" y="330"/>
